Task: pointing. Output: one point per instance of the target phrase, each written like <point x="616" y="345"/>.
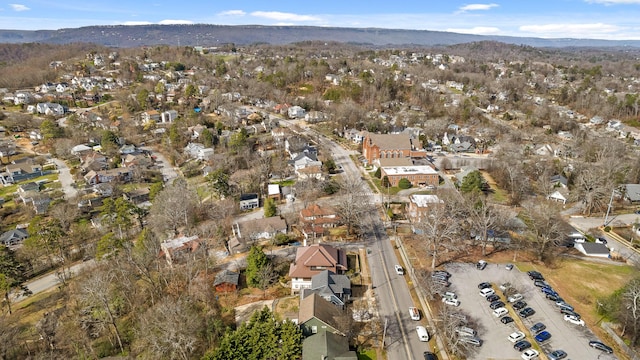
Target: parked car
<point x="471" y="340"/>
<point x="543" y="336"/>
<point x="553" y="297"/>
<point x="450" y="295"/>
<point x="563" y="305"/>
<point x="519" y="305"/>
<point x="514" y="337"/>
<point x="600" y="346"/>
<point x="496" y="304"/>
<point x="481" y="265"/>
<point x="530" y="354"/>
<point x="537" y="327"/>
<point x="399" y="270"/>
<point x="526" y="312"/>
<point x="493" y="297"/>
<point x="522" y="345"/>
<point x="441" y="272"/>
<point x="601" y="240"/>
<point x="486" y="292"/>
<point x="574" y="320"/>
<point x="450" y="301"/>
<point x="534" y="275"/>
<point x="509" y="267"/>
<point x="541" y="283"/>
<point x="423" y="335"/>
<point x="506" y="320"/>
<point x="441" y="282"/>
<point x="515" y="297"/>
<point x="557" y="355"/>
<point x="500" y="312"/>
<point x="414" y="313"/>
<point x="465" y="331"/>
<point x="484" y="285"/>
<point x="428" y="355"/>
<point x="569" y="312"/>
<point x="547" y="290"/>
<point x="440" y="277"/>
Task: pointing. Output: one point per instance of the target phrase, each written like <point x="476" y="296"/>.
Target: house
<point x="193" y="149"/>
<point x="327" y="346"/>
<point x="247" y="233"/>
<point x="418" y="175"/>
<point x="50" y="109"/>
<point x="168" y="116"/>
<point x="313" y="259"/>
<point x="150" y="116"/>
<point x="592" y="249"/>
<point x="136" y="160"/>
<point x="15" y="173"/>
<point x="273" y="192"/>
<point x="105" y="176"/>
<point x="558" y="196"/>
<point x="558" y="181"/>
<point x="249" y="201"/>
<point x="13" y="237"/>
<point x="296" y="112"/>
<point x="419" y="205"/>
<point x="316" y="219"/>
<point x="138" y="196"/>
<point x="178" y="248"/>
<point x="226" y="281"/>
<point x="632" y="192"/>
<point x="377" y="146"/>
<point x="305" y="159"/>
<point x="80" y="150"/>
<point x="354" y="135"/>
<point x="127" y="149"/>
<point x="334" y="288"/>
<point x="316" y="315"/>
<point x="309" y="172"/>
<point x="315" y="116"/>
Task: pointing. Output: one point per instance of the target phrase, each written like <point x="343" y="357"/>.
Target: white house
<point x="168" y="116"/>
<point x="557" y="196"/>
<point x="295" y="112"/>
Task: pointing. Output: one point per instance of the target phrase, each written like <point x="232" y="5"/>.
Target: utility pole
<point x="606" y="217"/>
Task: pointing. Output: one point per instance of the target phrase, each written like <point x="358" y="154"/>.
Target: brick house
<point x="418" y="175"/>
<point x="312" y="260"/>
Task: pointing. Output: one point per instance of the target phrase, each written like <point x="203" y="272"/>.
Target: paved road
<point x="391" y="290"/>
<point x="66" y="180"/>
<point x="584" y="224"/>
<point x="50" y="280"/>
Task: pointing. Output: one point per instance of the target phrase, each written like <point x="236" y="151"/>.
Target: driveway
<point x="66" y="180"/>
<point x="168" y="171"/>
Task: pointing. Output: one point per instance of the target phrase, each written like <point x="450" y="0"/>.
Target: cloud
<point x="475" y="7"/>
<point x="593" y="31"/>
<point x="19" y="7"/>
<point x="232" y="13"/>
<point x="477" y="30"/>
<point x="613" y="2"/>
<point x="175" y="22"/>
<point x="282" y="16"/>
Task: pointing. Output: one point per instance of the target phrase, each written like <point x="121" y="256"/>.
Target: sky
<point x="581" y="19"/>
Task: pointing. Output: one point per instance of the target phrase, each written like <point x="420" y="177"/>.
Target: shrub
<point x="404" y="183"/>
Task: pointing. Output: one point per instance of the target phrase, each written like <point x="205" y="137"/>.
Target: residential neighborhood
<point x="332" y="187"/>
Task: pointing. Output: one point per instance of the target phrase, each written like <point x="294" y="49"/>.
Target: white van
<point x="423" y="335"/>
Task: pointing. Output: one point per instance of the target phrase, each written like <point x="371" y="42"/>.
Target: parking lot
<point x="573" y="339"/>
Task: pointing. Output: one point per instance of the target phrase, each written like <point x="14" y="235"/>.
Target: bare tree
<point x="169" y="330"/>
<point x="630" y="310"/>
<point x="352" y="203"/>
<point x="173" y="207"/>
<point x="485" y="218"/>
<point x="96" y="296"/>
<point x="544" y="227"/>
<point x="436" y="229"/>
<point x="592" y="189"/>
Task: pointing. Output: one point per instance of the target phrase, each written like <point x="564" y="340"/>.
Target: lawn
<point x="369" y="354"/>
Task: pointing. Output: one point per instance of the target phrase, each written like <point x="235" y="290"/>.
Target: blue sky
<point x="595" y="19"/>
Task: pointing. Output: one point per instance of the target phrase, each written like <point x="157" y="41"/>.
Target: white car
<point x="500" y="312"/>
<point x="414" y="313"/>
<point x="530" y="354"/>
<point x="574" y="320"/>
<point x="451" y="301"/>
<point x="486" y="292"/>
<point x="515" y="297"/>
<point x="399" y="270"/>
<point x="516" y="336"/>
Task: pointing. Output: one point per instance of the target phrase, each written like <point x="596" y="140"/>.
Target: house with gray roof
<point x="13" y="237"/>
<point x="334" y="288"/>
<point x="316" y="315"/>
<point x="632" y="192"/>
<point x="226" y="281"/>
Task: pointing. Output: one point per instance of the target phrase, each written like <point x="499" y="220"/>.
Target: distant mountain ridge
<point x="212" y="35"/>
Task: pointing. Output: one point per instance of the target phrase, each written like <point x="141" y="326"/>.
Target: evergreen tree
<point x="256" y="260"/>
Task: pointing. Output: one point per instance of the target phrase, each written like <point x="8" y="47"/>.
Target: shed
<point x="226" y="281"/>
